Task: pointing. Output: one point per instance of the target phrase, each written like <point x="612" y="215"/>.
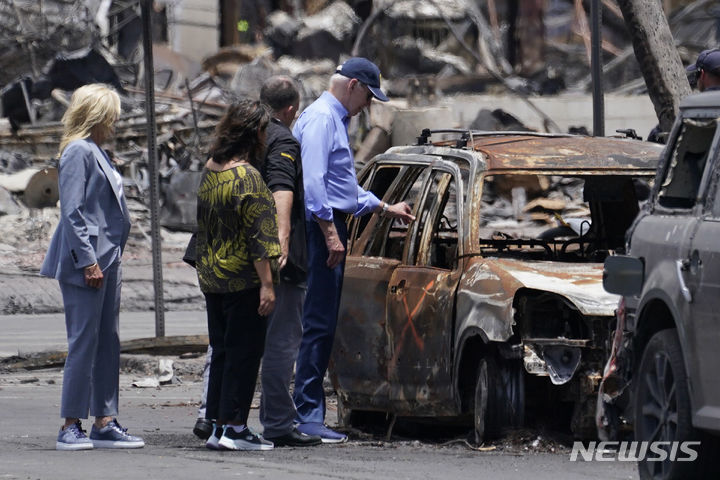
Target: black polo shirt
<point x="282" y="171"/>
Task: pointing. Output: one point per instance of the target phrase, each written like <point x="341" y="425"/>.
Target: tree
<point x="659" y="60"/>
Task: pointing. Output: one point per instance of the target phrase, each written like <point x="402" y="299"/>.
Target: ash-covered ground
<point x="24" y="240"/>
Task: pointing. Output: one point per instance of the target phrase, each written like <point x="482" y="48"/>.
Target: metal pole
<point x="146" y="6"/>
<point x="596" y="67"/>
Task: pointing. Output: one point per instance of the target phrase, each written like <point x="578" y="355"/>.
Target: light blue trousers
<point x="92" y="367"/>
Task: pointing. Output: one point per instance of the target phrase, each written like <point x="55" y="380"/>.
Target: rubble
<point x="8" y="204"/>
<point x="249" y="77"/>
<point x="33" y="32"/>
<point x="327" y="34"/>
<point x="39" y="187"/>
<point x="439" y="48"/>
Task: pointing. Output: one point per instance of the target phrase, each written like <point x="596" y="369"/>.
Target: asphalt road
<point x="29" y="420"/>
<point x="29" y="403"/>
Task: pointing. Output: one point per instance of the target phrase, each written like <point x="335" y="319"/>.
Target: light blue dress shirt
<point x="328" y="166"/>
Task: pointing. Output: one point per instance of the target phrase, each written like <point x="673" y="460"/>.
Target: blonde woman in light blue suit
<point x="84" y="256"/>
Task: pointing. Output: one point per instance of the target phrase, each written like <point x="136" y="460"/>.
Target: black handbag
<point x="190" y="255"/>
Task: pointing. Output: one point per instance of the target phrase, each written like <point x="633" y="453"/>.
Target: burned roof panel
<point x="518" y="151"/>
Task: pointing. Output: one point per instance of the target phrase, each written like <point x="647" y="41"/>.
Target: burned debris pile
<point x="427" y="50"/>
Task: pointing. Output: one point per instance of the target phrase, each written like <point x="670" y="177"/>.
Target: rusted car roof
<point x="563" y="152"/>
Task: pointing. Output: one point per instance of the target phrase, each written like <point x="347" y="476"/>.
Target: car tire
<point x="484" y="410"/>
<point x="663" y="412"/>
<point x="499" y="400"/>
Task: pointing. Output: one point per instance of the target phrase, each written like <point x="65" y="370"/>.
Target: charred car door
<point x="421" y="298"/>
<point x="359" y="360"/>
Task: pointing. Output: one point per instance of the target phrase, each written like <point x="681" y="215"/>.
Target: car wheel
<point x="484" y="410"/>
<point x="662" y="407"/>
<point x="499" y="398"/>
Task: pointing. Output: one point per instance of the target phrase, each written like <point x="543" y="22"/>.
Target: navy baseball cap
<point x="366" y="72"/>
<point x="708" y="60"/>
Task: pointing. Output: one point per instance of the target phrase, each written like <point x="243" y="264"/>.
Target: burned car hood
<point x="580" y="283"/>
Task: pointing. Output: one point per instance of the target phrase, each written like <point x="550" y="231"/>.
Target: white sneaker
<point x="244" y="440"/>
<point x="213" y="440"/>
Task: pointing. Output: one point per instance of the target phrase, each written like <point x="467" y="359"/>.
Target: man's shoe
<point x="214" y="439"/>
<point x="73" y="438"/>
<point x="243" y="440"/>
<point x="203" y="428"/>
<point x="295" y="439"/>
<point x="322" y="431"/>
<point x="113" y="435"/>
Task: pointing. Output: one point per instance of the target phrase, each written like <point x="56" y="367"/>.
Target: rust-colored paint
<point x="359" y="361"/>
<point x="409" y="324"/>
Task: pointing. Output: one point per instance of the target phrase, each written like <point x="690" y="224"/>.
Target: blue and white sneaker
<point x="213" y="440"/>
<point x="321" y="430"/>
<point x="73" y="438"/>
<point x="113" y="435"/>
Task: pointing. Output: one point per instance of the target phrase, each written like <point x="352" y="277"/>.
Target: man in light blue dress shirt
<point x="331" y="192"/>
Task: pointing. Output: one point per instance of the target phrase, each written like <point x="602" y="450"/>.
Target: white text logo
<point x="635" y="451"/>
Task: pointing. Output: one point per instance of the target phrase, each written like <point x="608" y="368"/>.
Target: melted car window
<point x="386" y="237"/>
<point x="381" y="182"/>
<point x="436" y="241"/>
<point x="681" y="184"/>
<point x="565" y="218"/>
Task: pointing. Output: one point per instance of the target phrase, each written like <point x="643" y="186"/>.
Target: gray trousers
<point x="92" y="368"/>
<point x="206" y="381"/>
<point x="284" y="332"/>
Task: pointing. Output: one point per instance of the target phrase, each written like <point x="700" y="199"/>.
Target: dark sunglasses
<point x="369" y="93"/>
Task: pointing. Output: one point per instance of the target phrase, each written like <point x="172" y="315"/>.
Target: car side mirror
<point x="623" y="275"/>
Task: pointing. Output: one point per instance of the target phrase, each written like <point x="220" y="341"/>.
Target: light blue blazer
<point x="94" y="218"/>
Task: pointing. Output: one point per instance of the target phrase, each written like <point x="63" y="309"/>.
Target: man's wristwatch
<point x="384" y="209"/>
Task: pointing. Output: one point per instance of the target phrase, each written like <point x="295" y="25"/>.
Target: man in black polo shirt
<point x="282" y="172"/>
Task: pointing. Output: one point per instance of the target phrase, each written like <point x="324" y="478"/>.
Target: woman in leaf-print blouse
<point x="236" y="237"/>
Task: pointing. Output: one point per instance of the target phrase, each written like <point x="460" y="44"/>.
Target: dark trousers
<point x="237" y="336"/>
<point x="320" y="312"/>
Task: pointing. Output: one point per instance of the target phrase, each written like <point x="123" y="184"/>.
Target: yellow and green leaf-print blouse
<point x="237" y="225"/>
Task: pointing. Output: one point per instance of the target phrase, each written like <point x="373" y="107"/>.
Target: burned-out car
<point x="490" y="305"/>
<point x="662" y="375"/>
